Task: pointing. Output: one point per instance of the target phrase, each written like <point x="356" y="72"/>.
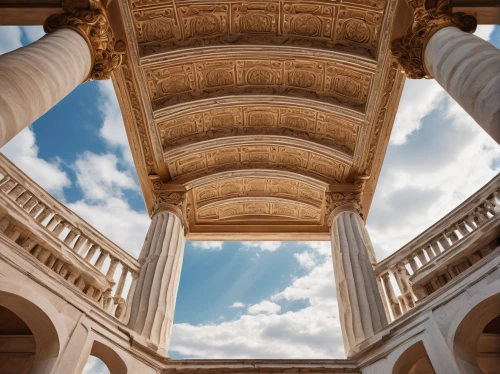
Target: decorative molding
<point x="171" y="201"/>
<point x="429" y="17"/>
<point x="89" y="18"/>
<point x="338" y="202"/>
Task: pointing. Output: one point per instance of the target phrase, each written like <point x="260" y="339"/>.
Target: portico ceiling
<point x="258" y="110"/>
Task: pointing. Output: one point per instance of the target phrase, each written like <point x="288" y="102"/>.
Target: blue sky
<point x="254" y="299"/>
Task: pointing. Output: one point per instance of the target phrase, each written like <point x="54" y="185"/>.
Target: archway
<point x="477" y="339"/>
<point x="414" y="361"/>
<point x="108" y="357"/>
<point x="31" y="340"/>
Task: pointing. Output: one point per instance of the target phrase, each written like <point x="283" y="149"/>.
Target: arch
<point x="47" y="342"/>
<point x="469" y="331"/>
<point x="414" y="360"/>
<point x="107" y="355"/>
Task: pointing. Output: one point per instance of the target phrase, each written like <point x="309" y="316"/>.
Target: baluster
<point x="59" y="228"/>
<point x="23" y="199"/>
<point x="72" y="277"/>
<point x="131" y="291"/>
<point x="80" y="242"/>
<point x="36" y="250"/>
<point x="90" y="291"/>
<point x="54" y="221"/>
<point x="430" y="251"/>
<point x="16" y="192"/>
<point x="44" y="255"/>
<point x="5" y="179"/>
<point x="100" y="260"/>
<point x="112" y="268"/>
<point x="8" y="185"/>
<point x="393" y="301"/>
<point x="72" y="234"/>
<point x="452" y="235"/>
<point x="462" y="228"/>
<point x="51" y="261"/>
<point x="45" y="212"/>
<point x="413" y="264"/>
<point x="489" y="206"/>
<point x="470" y="220"/>
<point x="480" y="215"/>
<point x="28" y="244"/>
<point x="30" y="204"/>
<point x="494" y="199"/>
<point x="14" y="234"/>
<point x="4" y="224"/>
<point x="443" y="240"/>
<point x="80" y="283"/>
<point x="121" y="282"/>
<point x="91" y="252"/>
<point x="421" y="257"/>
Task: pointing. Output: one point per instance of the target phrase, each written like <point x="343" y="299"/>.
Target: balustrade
<point x="442" y="252"/>
<point x="64" y="242"/>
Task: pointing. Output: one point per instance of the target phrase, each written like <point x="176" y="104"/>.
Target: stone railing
<point x="461" y="240"/>
<point x="65" y="243"/>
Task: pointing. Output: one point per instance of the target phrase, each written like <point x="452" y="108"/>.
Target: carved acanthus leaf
<point x="174" y="202"/>
<point x="429" y="17"/>
<point x="337" y="200"/>
<point x="89" y="18"/>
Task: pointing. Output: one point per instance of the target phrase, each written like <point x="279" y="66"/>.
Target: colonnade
<point x="80" y="46"/>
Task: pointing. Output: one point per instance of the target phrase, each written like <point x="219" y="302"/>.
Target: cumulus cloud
<point x="99" y="176"/>
<point x="23" y="152"/>
<point x="264" y="307"/>
<point x="305" y="259"/>
<point x="237" y="304"/>
<point x="210" y="246"/>
<point x="262" y="246"/>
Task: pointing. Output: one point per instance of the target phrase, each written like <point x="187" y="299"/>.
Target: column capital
<point x="429" y="17"/>
<point x="174" y="202"/>
<point x="90" y="19"/>
<point x="338" y="202"/>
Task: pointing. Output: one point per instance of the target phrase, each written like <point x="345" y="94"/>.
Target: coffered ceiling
<point x="258" y="109"/>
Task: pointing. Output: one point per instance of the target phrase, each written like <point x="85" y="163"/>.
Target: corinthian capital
<point x="337" y="202"/>
<point x="171" y="201"/>
<point x="429" y="17"/>
<point x="90" y="19"/>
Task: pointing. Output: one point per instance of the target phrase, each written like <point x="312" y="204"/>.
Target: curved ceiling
<point x="258" y="109"/>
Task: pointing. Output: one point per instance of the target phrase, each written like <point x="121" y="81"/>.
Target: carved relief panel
<point x="330" y="82"/>
<point x="353" y="26"/>
<point x="187" y="167"/>
<point x="321" y="127"/>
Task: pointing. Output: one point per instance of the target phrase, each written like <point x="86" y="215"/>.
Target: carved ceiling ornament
<point x="89" y="18"/>
<point x="429" y="17"/>
<point x="337" y="202"/>
<point x="175" y="202"/>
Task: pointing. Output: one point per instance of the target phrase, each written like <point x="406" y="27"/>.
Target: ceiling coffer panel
<point x="163" y="27"/>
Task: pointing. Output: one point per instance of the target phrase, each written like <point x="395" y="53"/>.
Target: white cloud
<point x="305" y="259"/>
<point x="95" y="366"/>
<point x="211" y="246"/>
<point x="23" y="152"/>
<point x="262" y="246"/>
<point x="264" y="307"/>
<point x="98" y="176"/>
<point x="237" y="304"/>
<point x="484" y="31"/>
<point x="311" y="332"/>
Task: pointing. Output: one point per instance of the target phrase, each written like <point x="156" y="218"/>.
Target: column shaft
<point x="36" y="77"/>
<point x="153" y="304"/>
<point x="468" y="68"/>
<point x="360" y="305"/>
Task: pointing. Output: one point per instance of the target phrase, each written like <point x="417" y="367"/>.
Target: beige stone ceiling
<point x="258" y="109"/>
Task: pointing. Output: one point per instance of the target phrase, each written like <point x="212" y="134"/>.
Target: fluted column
<point x="361" y="309"/>
<point x="80" y="46"/>
<point x="153" y="303"/>
<point x="439" y="45"/>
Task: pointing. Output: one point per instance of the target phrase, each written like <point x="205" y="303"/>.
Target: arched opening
<point x="104" y="360"/>
<point x="29" y="340"/>
<point x="414" y="361"/>
<point x="477" y="339"/>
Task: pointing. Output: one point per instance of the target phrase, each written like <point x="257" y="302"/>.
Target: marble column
<point x="361" y="309"/>
<point x="80" y="46"/>
<point x="468" y="68"/>
<point x="438" y="45"/>
<point x="153" y="303"/>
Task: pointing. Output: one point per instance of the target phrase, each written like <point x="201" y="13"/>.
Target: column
<point x="79" y="47"/>
<point x="439" y="45"/>
<point x="153" y="303"/>
<point x="361" y="309"/>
